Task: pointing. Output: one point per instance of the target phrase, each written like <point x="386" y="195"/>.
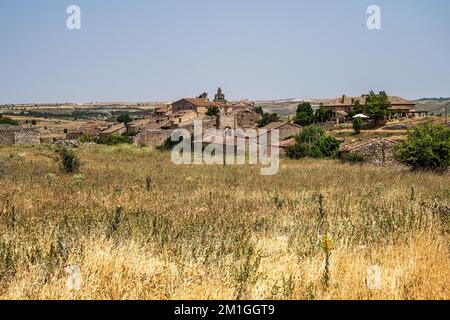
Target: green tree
<point x="313" y="142"/>
<point x="358" y="108"/>
<point x="268" y="118"/>
<point x="124" y="118"/>
<point x="310" y="135"/>
<point x="357" y="125"/>
<point x="427" y="147"/>
<point x="378" y="106"/>
<point x="304" y="115"/>
<point x="328" y="146"/>
<point x="323" y="114"/>
<point x="259" y="110"/>
<point x="213" y="111"/>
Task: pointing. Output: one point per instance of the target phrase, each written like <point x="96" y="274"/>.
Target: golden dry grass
<point x="214" y="232"/>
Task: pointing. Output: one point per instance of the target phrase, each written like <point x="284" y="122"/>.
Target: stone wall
<point x="152" y="138"/>
<point x="27" y="137"/>
<point x="6" y="138"/>
<point x="379" y="152"/>
<point x="227" y="121"/>
<point x="288" y="130"/>
<point x="10" y="135"/>
<point x="239" y="120"/>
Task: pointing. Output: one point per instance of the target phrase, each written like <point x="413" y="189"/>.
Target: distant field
<point x="215" y="232"/>
<point x="82" y="112"/>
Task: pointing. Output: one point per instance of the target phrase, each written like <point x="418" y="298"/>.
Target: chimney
<point x="343" y="98"/>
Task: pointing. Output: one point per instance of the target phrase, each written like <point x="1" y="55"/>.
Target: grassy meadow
<point x="140" y="227"/>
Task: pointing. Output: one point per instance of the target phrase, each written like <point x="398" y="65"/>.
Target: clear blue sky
<point x="156" y="50"/>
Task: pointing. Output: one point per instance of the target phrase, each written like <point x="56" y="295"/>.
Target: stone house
<point x="10" y="135"/>
<point x="115" y="129"/>
<point x="93" y="129"/>
<point x="139" y="125"/>
<point x="151" y="138"/>
<point x="198" y="105"/>
<point x="163" y="111"/>
<point x="286" y="129"/>
<point x="376" y="151"/>
<point x="182" y="117"/>
<point x="238" y="117"/>
<point x="341" y="107"/>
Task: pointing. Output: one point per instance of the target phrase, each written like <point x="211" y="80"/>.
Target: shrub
<point x="313" y="142"/>
<point x="33" y="122"/>
<point x="357" y="125"/>
<point x="426" y="148"/>
<point x="297" y="151"/>
<point x="115" y="139"/>
<point x="328" y="146"/>
<point x="67" y="159"/>
<point x="310" y="134"/>
<point x="212" y="111"/>
<point x="86" y="138"/>
<point x="168" y="144"/>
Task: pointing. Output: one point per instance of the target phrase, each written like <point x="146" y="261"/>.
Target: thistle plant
<point x="149" y="183"/>
<point x="327" y="246"/>
<point x="117" y="220"/>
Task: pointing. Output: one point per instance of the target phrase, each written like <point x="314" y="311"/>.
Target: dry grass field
<point x="216" y="232"/>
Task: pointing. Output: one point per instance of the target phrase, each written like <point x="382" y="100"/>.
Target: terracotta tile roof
<point x="139" y="122"/>
<point x="201" y="102"/>
<point x="114" y="128"/>
<point x="157" y="126"/>
<point x="276" y="125"/>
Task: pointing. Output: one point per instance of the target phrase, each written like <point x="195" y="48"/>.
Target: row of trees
<point x="266" y="117"/>
<point x="306" y="115"/>
<point x="7" y="120"/>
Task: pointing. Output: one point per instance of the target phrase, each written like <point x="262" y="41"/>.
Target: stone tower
<point x="219" y="97"/>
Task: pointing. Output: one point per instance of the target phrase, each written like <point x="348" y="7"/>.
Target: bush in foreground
<point x="426" y="148"/>
<point x="67" y="159"/>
